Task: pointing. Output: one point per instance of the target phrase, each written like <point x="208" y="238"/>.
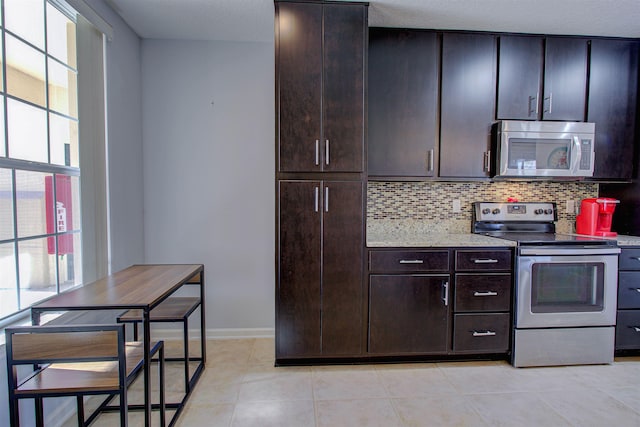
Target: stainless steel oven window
<point x="567" y="288"/>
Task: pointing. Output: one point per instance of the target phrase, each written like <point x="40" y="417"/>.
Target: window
<point x="40" y="223"/>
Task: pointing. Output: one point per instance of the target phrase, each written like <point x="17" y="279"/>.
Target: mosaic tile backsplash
<point x="430" y="203"/>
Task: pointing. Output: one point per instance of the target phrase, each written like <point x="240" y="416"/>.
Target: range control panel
<point x="502" y="212"/>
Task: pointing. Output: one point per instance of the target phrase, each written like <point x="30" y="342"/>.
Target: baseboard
<point x="218" y="333"/>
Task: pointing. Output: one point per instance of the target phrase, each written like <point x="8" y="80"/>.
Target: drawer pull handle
<point x="485" y="294"/>
<point x="411" y="261"/>
<point x="637" y="289"/>
<point x="637" y="258"/>
<point x="485" y="261"/>
<point x="636" y="328"/>
<point x="483" y="334"/>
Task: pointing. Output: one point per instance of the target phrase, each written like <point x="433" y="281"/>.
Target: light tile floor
<point x="241" y="387"/>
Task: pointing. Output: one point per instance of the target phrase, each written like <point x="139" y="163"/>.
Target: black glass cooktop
<point x="535" y="238"/>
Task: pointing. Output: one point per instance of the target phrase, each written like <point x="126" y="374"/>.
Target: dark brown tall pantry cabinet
<point x="320" y="178"/>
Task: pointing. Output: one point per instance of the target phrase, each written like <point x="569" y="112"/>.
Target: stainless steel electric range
<point x="565" y="286"/>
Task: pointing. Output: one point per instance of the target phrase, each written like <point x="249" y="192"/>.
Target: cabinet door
<point x="342" y="268"/>
<point x="343" y="86"/>
<point x="613" y="95"/>
<point x="519" y="77"/>
<point x="408" y="314"/>
<point x="565" y="79"/>
<point x="467" y="104"/>
<point x="298" y="293"/>
<point x="403" y="102"/>
<point x="298" y="80"/>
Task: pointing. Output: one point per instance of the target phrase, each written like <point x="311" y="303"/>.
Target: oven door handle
<point x="576" y="250"/>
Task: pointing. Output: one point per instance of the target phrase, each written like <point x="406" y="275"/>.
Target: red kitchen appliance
<point x="595" y="217"/>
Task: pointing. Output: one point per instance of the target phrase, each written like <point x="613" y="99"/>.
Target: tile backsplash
<point x="431" y="203"/>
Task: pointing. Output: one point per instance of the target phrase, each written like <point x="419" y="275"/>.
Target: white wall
<point x="124" y="132"/>
<point x="208" y="132"/>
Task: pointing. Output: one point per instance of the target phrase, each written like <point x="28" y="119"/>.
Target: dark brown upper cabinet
<point x="320" y="259"/>
<point x="613" y="88"/>
<point x="403" y="103"/>
<point x="519" y="77"/>
<point x="320" y="86"/>
<point x="542" y="78"/>
<point x="467" y="104"/>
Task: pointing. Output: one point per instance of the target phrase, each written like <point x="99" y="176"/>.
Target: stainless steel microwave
<point x="544" y="149"/>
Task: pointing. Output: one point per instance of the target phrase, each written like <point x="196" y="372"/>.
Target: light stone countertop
<point x="628" y="240"/>
<point x="413" y="233"/>
<point x="381" y="234"/>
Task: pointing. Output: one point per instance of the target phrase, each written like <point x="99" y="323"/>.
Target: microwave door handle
<point x="575" y="155"/>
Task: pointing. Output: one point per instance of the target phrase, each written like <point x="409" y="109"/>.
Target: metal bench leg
<point x="162" y="378"/>
<point x="80" y="405"/>
<point x="39" y="413"/>
<point x="124" y="415"/>
<point x="187" y="386"/>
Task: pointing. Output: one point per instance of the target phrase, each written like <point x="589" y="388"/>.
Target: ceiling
<point x="252" y="20"/>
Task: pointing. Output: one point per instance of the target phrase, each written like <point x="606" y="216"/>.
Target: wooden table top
<point x="138" y="286"/>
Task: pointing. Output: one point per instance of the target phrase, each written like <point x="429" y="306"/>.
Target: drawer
<point x="483" y="292"/>
<point x="629" y="289"/>
<point x="487" y="333"/>
<point x="408" y="261"/>
<point x="630" y="259"/>
<point x="483" y="260"/>
<point x="628" y="330"/>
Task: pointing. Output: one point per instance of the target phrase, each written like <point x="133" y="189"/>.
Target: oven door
<point x="566" y="287"/>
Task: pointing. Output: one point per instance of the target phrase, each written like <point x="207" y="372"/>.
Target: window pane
<point x="1" y="67"/>
<point x="34" y="203"/>
<point x="67" y="208"/>
<point x="3" y="149"/>
<point x="69" y="261"/>
<point x="25" y="72"/>
<point x="27" y="132"/>
<point x="6" y="207"/>
<point x="26" y="19"/>
<point x="61" y="36"/>
<point x="37" y="271"/>
<point x="64" y="141"/>
<point x="8" y="289"/>
<point x="62" y="89"/>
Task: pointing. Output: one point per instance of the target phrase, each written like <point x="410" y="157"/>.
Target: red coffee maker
<point x="595" y="217"/>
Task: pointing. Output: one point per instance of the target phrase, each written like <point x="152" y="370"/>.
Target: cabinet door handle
<point x="485" y="261"/>
<point x="326" y="199"/>
<point x="445" y="291"/>
<point x="430" y="160"/>
<point x="326" y="152"/>
<point x="550" y="98"/>
<point x="317" y="152"/>
<point x="483" y="333"/>
<point x="487" y="161"/>
<point x="316" y="199"/>
<point x="636" y="328"/>
<point x="411" y="261"/>
<point x="531" y="109"/>
<point x="485" y="294"/>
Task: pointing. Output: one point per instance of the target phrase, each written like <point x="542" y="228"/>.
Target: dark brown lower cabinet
<point x="320" y="263"/>
<point x="408" y="313"/>
<point x="480" y="332"/>
<point x="628" y="322"/>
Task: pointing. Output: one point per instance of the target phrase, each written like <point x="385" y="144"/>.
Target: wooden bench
<point x="75" y="360"/>
<point x="171" y="310"/>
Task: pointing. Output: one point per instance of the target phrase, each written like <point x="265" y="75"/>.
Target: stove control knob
<point x="486" y="211"/>
<point x="548" y="211"/>
<point x="496" y="211"/>
<point x="538" y="211"/>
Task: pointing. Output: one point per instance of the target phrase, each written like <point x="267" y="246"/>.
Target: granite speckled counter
<point x="628" y="240"/>
<point x="400" y="234"/>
